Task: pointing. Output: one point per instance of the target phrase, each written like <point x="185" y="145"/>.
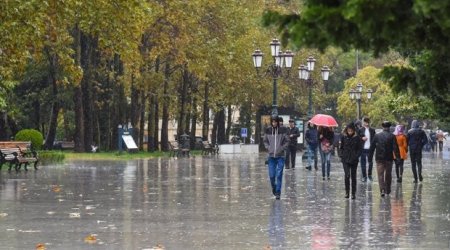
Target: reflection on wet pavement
<point x="222" y="202"/>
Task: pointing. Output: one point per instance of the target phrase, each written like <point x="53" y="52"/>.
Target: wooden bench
<point x="17" y="154"/>
<point x="175" y="149"/>
<point x="208" y="148"/>
<point x="64" y="145"/>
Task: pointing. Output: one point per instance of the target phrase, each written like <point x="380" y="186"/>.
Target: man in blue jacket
<point x="312" y="140"/>
<point x="276" y="143"/>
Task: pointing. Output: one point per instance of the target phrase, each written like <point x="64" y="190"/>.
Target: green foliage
<point x="48" y="157"/>
<point x="385" y="104"/>
<point x="419" y="30"/>
<point x="32" y="135"/>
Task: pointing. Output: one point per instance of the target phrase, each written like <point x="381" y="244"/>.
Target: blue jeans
<point x="365" y="154"/>
<point x="312" y="152"/>
<point x="325" y="158"/>
<point x="276" y="166"/>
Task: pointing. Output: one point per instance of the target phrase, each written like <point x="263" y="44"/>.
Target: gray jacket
<point x="276" y="141"/>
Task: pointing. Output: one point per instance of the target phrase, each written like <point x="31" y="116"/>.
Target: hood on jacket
<point x="399" y="130"/>
<point x="415" y="124"/>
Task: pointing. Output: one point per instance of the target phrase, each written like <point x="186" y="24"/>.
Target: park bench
<point x="17" y="154"/>
<point x="175" y="149"/>
<point x="208" y="148"/>
<point x="64" y="145"/>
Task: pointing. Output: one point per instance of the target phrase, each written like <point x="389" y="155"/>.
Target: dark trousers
<point x="350" y="172"/>
<point x="441" y="145"/>
<point x="384" y="170"/>
<point x="416" y="161"/>
<point x="399" y="168"/>
<point x="366" y="157"/>
<point x="291" y="152"/>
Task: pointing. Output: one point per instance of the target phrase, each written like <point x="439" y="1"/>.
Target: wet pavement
<point x="223" y="202"/>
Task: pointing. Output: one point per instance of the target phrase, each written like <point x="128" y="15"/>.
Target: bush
<point x="36" y="138"/>
<point x="46" y="157"/>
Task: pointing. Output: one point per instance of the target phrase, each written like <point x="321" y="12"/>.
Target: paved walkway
<point x="220" y="202"/>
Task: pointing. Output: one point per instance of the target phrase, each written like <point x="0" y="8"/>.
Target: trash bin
<point x="185" y="142"/>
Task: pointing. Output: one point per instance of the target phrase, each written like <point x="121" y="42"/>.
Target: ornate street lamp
<point x="356" y="94"/>
<point x="280" y="60"/>
<point x="305" y="73"/>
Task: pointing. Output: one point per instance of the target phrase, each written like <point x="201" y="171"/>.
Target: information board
<point x="129" y="142"/>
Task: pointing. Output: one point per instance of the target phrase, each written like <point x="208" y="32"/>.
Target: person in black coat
<point x="416" y="141"/>
<point x="350" y="150"/>
<point x="386" y="147"/>
<point x="291" y="152"/>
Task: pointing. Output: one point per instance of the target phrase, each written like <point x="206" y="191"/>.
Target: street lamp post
<point x="305" y="73"/>
<point x="280" y="60"/>
<point x="356" y="94"/>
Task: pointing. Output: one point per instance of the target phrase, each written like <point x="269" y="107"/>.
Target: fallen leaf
<point x="40" y="246"/>
<point x="91" y="239"/>
<point x="267" y="247"/>
<point x="56" y="189"/>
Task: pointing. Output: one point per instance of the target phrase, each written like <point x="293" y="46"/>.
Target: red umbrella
<point x="323" y="120"/>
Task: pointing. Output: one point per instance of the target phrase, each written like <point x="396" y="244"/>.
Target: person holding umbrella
<point x="326" y="138"/>
<point x="276" y="143"/>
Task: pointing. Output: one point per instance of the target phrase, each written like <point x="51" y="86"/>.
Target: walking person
<point x="291" y="152"/>
<point x="312" y="140"/>
<point x="433" y="142"/>
<point x="276" y="143"/>
<point x="440" y="137"/>
<point x="402" y="143"/>
<point x="386" y="147"/>
<point x="367" y="134"/>
<point x="417" y="139"/>
<point x="326" y="136"/>
<point x="350" y="150"/>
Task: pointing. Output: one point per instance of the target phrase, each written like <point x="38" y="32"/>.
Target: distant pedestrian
<point x="276" y="143"/>
<point x="440" y="137"/>
<point x="386" y="147"/>
<point x="402" y="143"/>
<point x="350" y="150"/>
<point x="293" y="134"/>
<point x="367" y="134"/>
<point x="312" y="140"/>
<point x="326" y="136"/>
<point x="416" y="141"/>
<point x="434" y="146"/>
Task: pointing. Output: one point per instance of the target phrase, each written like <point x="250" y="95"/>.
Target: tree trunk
<point x="182" y="92"/>
<point x="221" y="139"/>
<point x="156" y="130"/>
<point x="142" y="121"/>
<point x="12" y="124"/>
<point x="78" y="98"/>
<point x="3" y="132"/>
<point x="214" y="129"/>
<point x="151" y="124"/>
<point x="194" y="121"/>
<point x="79" y="120"/>
<point x="205" y="125"/>
<point x="50" y="138"/>
<point x="165" y="114"/>
<point x="229" y="123"/>
<point x="36" y="114"/>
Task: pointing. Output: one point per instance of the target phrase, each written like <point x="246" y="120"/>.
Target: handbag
<point x="326" y="146"/>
